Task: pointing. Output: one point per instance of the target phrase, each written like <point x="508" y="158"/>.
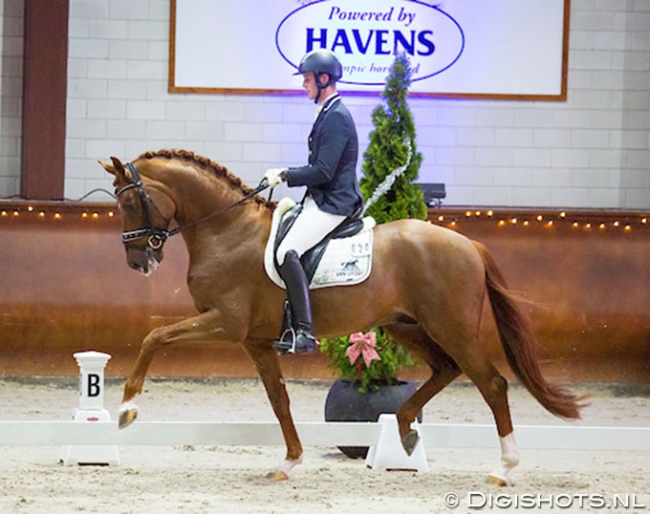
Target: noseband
<point x="156" y="236"/>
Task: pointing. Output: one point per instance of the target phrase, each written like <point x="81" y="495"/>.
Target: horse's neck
<point x="203" y="205"/>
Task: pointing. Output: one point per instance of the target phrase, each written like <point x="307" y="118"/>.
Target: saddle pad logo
<point x="346" y="261"/>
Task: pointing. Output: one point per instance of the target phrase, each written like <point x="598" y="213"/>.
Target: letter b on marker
<point x="94" y="385"/>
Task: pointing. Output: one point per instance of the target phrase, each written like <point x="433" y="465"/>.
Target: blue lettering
<point x="341" y="39"/>
<point x="408" y="46"/>
<point x="311" y="39"/>
<point x="363" y="48"/>
<point x="430" y="46"/>
<point x="380" y="42"/>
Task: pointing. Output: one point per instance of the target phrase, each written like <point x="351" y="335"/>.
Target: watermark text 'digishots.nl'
<point x="477" y="500"/>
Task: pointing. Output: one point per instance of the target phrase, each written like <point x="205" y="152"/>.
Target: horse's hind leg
<point x="474" y="362"/>
<point x="444" y="370"/>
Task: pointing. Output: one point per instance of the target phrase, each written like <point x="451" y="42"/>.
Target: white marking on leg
<point x="288" y="465"/>
<point x="127" y="406"/>
<point x="509" y="458"/>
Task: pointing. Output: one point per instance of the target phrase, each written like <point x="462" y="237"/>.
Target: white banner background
<point x="500" y="48"/>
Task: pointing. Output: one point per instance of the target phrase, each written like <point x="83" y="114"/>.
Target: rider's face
<point x="309" y="84"/>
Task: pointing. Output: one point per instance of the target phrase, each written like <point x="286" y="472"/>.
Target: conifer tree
<point x="389" y="149"/>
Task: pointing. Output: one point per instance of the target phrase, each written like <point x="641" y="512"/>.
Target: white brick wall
<point x="592" y="151"/>
<point x="11" y="85"/>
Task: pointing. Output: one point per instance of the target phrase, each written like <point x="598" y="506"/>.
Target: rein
<point x="156" y="236"/>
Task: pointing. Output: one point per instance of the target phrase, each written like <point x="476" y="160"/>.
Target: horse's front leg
<point x="266" y="361"/>
<point x="205" y="327"/>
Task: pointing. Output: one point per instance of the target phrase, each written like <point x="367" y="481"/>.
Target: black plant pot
<point x="345" y="403"/>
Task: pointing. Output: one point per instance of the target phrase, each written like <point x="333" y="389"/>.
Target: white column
<point x="91" y="410"/>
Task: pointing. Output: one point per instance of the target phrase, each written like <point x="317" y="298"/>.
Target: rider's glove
<point x="275" y="176"/>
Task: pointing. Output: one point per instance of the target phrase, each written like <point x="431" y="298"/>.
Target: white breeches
<point x="309" y="229"/>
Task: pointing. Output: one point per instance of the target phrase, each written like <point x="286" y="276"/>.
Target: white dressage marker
<point x="91" y="410"/>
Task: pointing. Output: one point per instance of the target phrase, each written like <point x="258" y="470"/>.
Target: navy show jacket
<point x="330" y="175"/>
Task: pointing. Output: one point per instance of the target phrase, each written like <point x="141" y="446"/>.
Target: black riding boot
<point x="294" y="277"/>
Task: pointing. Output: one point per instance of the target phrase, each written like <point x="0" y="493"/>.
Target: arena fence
<point x="91" y="437"/>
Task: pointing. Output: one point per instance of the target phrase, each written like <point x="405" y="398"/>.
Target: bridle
<point x="157" y="236"/>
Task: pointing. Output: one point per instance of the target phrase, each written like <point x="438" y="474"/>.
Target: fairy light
<point x="601" y="226"/>
<point x="616" y="224"/>
<point x="4" y="214"/>
<point x="468" y="214"/>
<point x="526" y="223"/>
<point x="628" y="227"/>
<point x="57" y="215"/>
<point x="513" y="221"/>
<point x="95" y="215"/>
<point x="563" y="215"/>
<point x="41" y="214"/>
<point x="477" y="213"/>
<point x="540" y="217"/>
<point x="644" y="220"/>
<point x="84" y="215"/>
<point x="30" y="208"/>
<point x="16" y="214"/>
<point x="490" y="213"/>
<point x="576" y="224"/>
<point x="502" y="223"/>
<point x="550" y="223"/>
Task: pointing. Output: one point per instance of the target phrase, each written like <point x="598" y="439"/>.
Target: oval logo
<point x="365" y="34"/>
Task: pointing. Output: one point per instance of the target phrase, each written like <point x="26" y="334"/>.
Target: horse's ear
<point x="117" y="168"/>
<point x="107" y="167"/>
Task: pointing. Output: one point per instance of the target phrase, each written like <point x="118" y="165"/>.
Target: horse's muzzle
<point x="145" y="260"/>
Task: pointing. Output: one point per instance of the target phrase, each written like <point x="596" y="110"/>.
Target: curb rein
<point x="156" y="236"/>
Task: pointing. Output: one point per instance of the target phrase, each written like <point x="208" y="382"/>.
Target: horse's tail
<point x="519" y="344"/>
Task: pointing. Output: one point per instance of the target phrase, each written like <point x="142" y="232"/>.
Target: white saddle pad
<point x="346" y="261"/>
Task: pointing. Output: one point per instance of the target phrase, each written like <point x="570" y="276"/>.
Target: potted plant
<point x="368" y="364"/>
<point x="368" y="367"/>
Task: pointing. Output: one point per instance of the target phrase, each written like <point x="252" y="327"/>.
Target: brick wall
<point x="592" y="151"/>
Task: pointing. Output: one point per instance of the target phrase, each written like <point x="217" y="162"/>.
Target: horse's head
<point x="147" y="212"/>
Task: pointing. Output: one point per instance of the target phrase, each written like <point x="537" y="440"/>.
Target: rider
<point x="333" y="192"/>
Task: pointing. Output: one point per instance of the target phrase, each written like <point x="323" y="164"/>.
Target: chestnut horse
<point x="426" y="289"/>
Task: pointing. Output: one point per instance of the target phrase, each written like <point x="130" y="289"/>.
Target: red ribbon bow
<point x="363" y="345"/>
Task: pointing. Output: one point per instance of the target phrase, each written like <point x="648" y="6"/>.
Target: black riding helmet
<point x="318" y="62"/>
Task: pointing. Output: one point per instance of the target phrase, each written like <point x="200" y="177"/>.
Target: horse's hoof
<point x="410" y="441"/>
<point x="126" y="415"/>
<point x="277" y="476"/>
<point x="498" y="481"/>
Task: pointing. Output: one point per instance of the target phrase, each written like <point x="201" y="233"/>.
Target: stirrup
<point x="289" y="340"/>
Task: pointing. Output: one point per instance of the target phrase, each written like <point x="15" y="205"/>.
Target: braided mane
<point x="217" y="169"/>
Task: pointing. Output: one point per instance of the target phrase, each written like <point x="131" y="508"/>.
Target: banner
<point x="468" y="48"/>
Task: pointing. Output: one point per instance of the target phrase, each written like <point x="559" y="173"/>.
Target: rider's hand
<point x="275" y="176"/>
